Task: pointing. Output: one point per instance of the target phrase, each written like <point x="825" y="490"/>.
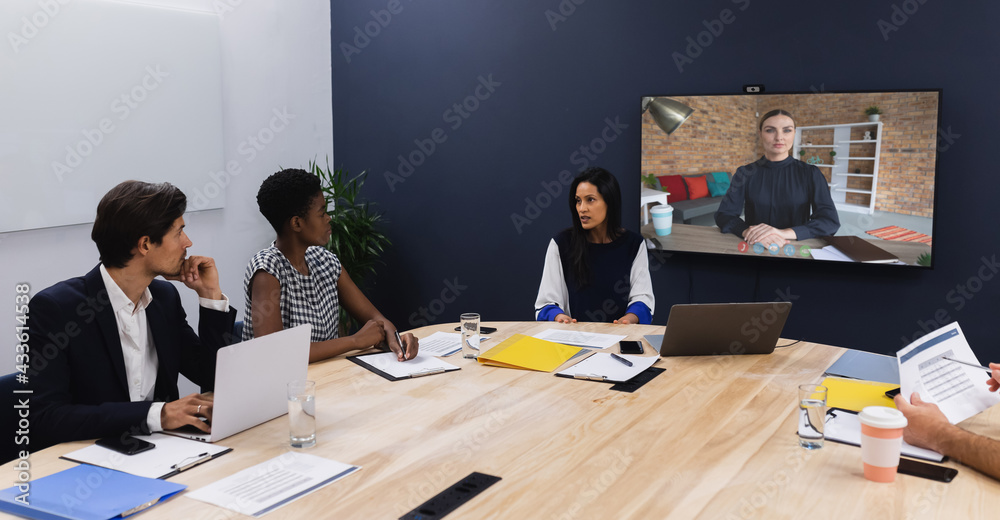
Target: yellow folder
<point x="520" y="351"/>
<point x="855" y="394"/>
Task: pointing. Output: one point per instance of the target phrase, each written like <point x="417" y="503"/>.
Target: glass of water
<point x="302" y="413"/>
<point x="470" y="335"/>
<point x="812" y="416"/>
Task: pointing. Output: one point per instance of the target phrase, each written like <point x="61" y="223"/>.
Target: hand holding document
<point x="958" y="390"/>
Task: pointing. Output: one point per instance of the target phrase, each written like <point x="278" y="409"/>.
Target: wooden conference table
<point x="711" y="437"/>
<point x="708" y="239"/>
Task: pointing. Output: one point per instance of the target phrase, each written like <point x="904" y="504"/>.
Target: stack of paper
<point x="520" y="351"/>
<point x="269" y="485"/>
<point x="580" y="339"/>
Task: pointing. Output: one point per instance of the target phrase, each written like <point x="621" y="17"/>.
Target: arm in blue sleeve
<point x="642" y="312"/>
<point x="549" y="313"/>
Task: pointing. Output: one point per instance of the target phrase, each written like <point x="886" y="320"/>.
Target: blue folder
<point x="86" y="492"/>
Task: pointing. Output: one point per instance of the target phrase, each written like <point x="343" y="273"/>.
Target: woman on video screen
<point x="783" y="198"/>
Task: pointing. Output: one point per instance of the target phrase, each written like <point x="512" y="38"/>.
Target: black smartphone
<point x="891" y="394"/>
<point x="925" y="470"/>
<point x="482" y="330"/>
<point x="126" y="444"/>
<point x="630" y="347"/>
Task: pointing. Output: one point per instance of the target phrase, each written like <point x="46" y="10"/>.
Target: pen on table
<point x="181" y="466"/>
<point x="623" y="360"/>
<point x="973" y="365"/>
<point x="401" y="347"/>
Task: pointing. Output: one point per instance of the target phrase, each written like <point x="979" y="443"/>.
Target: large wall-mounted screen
<point x="808" y="176"/>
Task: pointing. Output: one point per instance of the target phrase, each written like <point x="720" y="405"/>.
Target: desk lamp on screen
<point x="668" y="113"/>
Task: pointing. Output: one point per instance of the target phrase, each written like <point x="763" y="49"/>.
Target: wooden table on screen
<point x="708" y="239"/>
<point x="712" y="438"/>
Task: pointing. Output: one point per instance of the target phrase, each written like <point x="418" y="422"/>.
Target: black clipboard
<point x="625" y="386"/>
<point x="363" y="364"/>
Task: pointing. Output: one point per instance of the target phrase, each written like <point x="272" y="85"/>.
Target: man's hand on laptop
<point x="187" y="411"/>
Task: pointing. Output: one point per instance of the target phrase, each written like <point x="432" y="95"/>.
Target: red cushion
<point x="674" y="185"/>
<point x="697" y="186"/>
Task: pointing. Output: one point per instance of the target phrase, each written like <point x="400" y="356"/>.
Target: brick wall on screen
<point x="719" y="136"/>
<point x="909" y="142"/>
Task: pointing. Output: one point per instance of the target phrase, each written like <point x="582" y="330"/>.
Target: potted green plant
<point x="649" y="180"/>
<point x="802" y="155"/>
<point x="833" y="156"/>
<point x="357" y="239"/>
<point x="873" y="113"/>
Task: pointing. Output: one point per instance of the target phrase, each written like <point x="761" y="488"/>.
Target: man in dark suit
<point x="106" y="348"/>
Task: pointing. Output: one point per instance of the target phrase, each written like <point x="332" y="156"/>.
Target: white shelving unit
<point x="839" y="174"/>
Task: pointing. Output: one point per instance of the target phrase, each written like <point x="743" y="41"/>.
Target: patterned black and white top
<point x="309" y="299"/>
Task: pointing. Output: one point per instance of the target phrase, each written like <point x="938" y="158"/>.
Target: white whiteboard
<point x="94" y="92"/>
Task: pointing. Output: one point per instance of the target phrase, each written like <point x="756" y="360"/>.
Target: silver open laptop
<point x="251" y="380"/>
<point x="712" y="329"/>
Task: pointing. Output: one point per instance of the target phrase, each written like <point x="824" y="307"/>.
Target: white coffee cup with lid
<point x="881" y="441"/>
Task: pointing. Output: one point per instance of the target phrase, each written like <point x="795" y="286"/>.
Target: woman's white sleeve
<point x="552" y="290"/>
<point x="641" y="284"/>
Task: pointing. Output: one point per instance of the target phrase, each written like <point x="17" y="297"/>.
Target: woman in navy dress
<point x="781" y="197"/>
<point x="595" y="270"/>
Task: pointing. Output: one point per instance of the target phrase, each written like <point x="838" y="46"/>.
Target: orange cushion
<point x="697" y="186"/>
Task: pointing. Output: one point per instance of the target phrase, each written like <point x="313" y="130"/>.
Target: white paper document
<point x="960" y="391"/>
<point x="260" y="489"/>
<point x="603" y="367"/>
<point x="845" y="427"/>
<point x="829" y="253"/>
<point x="171" y="455"/>
<point x="441" y="344"/>
<point x="423" y="364"/>
<point x="580" y="339"/>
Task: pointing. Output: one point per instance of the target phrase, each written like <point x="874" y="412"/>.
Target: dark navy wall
<point x="541" y="79"/>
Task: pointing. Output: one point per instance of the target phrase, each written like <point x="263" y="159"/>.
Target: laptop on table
<point x="251" y="378"/>
<point x="713" y="329"/>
